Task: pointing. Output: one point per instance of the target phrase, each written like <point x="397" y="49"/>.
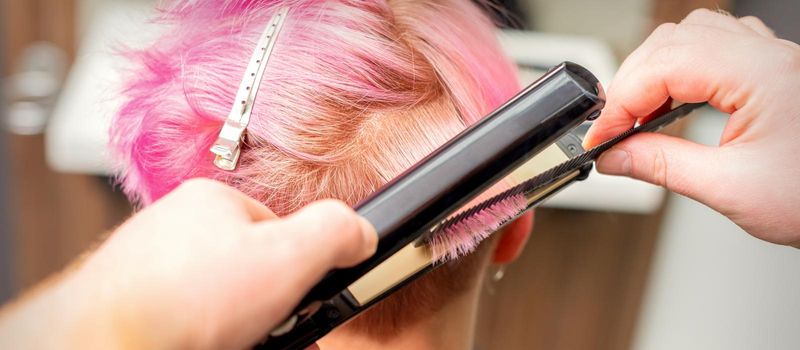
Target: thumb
<point x="680" y="166"/>
<point x="311" y="242"/>
<point x="329" y="234"/>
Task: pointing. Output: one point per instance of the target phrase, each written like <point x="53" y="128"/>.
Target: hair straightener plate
<point x="413" y="204"/>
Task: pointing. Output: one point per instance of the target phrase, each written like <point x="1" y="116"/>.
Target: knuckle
<point x="204" y="190"/>
<point x="715" y="18"/>
<point x="790" y="58"/>
<point x="752" y="20"/>
<point x="793" y="46"/>
<point x="664" y="31"/>
<point x="701" y="14"/>
<point x="756" y="24"/>
<point x="660" y="169"/>
<point x="662" y="35"/>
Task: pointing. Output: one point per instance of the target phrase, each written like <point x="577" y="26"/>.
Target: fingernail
<point x="370" y="236"/>
<point x="614" y="162"/>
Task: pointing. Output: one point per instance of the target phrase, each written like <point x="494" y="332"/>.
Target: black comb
<point x="560" y="171"/>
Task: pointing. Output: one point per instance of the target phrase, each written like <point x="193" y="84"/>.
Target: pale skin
<point x="741" y="68"/>
<point x="207" y="267"/>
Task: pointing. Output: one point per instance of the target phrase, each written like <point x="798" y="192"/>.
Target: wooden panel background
<point x="578" y="284"/>
<point x="56" y="216"/>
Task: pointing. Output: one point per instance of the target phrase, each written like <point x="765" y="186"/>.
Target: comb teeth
<point x="461" y="237"/>
<point x="461" y="234"/>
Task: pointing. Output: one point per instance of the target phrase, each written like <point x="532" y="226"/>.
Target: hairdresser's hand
<point x="205" y="267"/>
<point x="741" y="68"/>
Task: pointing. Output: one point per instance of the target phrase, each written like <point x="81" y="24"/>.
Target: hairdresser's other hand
<point x="741" y="68"/>
<point x="205" y="267"/>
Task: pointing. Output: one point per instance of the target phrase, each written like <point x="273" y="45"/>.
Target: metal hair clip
<point x="227" y="148"/>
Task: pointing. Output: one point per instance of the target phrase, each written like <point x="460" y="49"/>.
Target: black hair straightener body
<point x="409" y="206"/>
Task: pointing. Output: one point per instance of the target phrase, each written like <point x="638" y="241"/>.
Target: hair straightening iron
<point x="526" y="140"/>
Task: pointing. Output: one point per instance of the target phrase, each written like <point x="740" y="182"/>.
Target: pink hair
<point x="355" y="93"/>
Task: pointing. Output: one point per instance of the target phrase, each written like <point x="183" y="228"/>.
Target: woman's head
<point x="355" y="92"/>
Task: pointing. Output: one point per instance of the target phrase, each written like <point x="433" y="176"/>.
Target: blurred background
<point x="612" y="264"/>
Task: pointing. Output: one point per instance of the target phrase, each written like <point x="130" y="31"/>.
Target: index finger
<point x="689" y="63"/>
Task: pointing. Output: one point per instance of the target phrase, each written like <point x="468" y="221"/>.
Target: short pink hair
<point x="355" y="92"/>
